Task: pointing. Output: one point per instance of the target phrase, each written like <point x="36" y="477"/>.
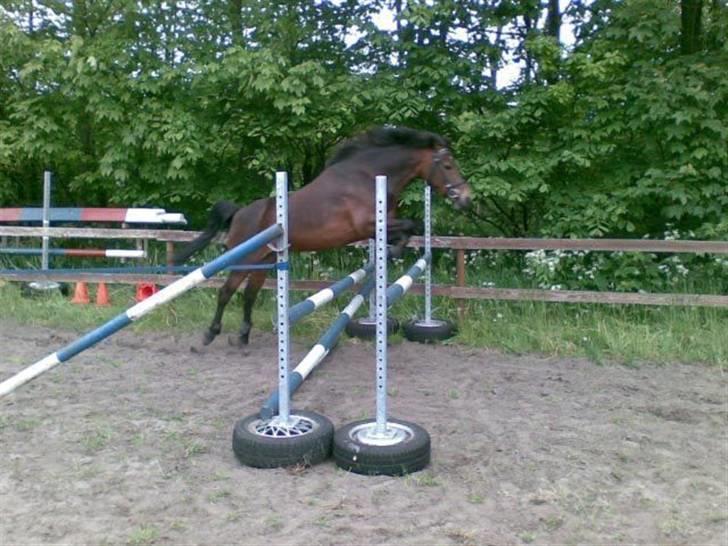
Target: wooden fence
<point x="460" y="245"/>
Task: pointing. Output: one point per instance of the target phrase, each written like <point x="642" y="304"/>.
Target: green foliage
<point x="629" y="140"/>
<point x="132" y="103"/>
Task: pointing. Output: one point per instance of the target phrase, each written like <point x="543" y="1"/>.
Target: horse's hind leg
<point x="255" y="283"/>
<point x="223" y="297"/>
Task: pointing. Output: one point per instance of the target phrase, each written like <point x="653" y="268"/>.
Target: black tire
<point x="365" y="328"/>
<point x="268" y="451"/>
<point x="408" y="456"/>
<point x="439" y="330"/>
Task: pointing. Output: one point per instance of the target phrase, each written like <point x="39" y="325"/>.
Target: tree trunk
<point x="529" y="60"/>
<point x="236" y="21"/>
<point x="691" y="26"/>
<point x="494" y="59"/>
<point x="31" y="12"/>
<point x="553" y="20"/>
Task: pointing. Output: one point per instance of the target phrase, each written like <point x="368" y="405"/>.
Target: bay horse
<point x="336" y="208"/>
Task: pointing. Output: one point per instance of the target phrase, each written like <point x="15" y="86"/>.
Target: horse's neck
<point x="399" y="170"/>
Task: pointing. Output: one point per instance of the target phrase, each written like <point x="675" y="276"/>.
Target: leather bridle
<point x="451" y="188"/>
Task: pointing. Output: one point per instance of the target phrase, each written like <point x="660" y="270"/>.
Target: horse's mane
<point x="380" y="137"/>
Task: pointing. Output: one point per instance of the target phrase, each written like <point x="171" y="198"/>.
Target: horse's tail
<point x="219" y="219"/>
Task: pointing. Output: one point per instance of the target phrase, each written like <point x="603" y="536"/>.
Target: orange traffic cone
<point x="80" y="294"/>
<point x="144" y="290"/>
<point x="102" y="295"/>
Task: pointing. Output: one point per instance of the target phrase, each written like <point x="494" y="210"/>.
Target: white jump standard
<point x="428" y="329"/>
<point x="385" y="445"/>
<point x="425" y="331"/>
<point x="292" y="436"/>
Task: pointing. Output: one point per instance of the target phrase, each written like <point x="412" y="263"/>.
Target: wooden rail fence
<point x="460" y="245"/>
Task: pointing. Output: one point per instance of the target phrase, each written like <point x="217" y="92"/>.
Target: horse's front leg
<point x="223" y="297"/>
<point x="399" y="231"/>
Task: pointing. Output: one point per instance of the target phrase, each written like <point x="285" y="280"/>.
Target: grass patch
<point x="96" y="439"/>
<point x="627" y="334"/>
<point x="25" y="425"/>
<point x="143" y="536"/>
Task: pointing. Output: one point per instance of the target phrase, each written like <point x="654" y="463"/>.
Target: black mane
<point x="386" y="136"/>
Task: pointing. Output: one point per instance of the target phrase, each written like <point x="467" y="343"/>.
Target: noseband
<point x="450" y="188"/>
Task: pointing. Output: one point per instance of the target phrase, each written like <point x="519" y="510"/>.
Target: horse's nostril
<point x="465" y="202"/>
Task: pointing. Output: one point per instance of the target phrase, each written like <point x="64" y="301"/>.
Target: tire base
<point x="405" y="457"/>
<point x="421" y="332"/>
<point x="365" y="328"/>
<point x="269" y="451"/>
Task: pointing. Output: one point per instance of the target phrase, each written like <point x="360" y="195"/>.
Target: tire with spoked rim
<point x="263" y="443"/>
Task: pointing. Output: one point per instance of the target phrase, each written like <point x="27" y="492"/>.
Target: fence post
<point x="460" y="274"/>
<point x="170" y="253"/>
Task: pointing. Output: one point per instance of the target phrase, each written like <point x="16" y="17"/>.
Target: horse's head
<point x="441" y="172"/>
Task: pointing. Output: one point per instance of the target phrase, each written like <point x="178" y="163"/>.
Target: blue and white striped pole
<point x="321" y="298"/>
<point x="326" y="342"/>
<point x="400" y="287"/>
<point x="140" y="309"/>
<point x="318" y="352"/>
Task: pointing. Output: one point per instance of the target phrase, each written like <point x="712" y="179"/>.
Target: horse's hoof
<point x="396" y="251"/>
<point x="237" y="341"/>
<point x="208" y="337"/>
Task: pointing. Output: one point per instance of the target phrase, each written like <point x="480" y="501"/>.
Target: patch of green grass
<point x="96" y="439"/>
<point x="143" y="536"/>
<point x="273" y="522"/>
<point x="25" y="425"/>
<point x="628" y="334"/>
<point x="187" y="445"/>
<point x="475" y="498"/>
<point x="423" y="479"/>
<point x="217" y="496"/>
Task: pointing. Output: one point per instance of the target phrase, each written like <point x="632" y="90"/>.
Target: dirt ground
<point x="130" y="443"/>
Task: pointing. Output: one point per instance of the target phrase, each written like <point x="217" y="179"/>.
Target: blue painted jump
<point x="168" y="293"/>
<point x="319" y="299"/>
<point x="324" y="345"/>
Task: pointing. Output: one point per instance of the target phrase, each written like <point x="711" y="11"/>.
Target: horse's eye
<point x="447" y="166"/>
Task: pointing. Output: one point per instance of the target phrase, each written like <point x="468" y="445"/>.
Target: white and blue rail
<point x="327" y="341"/>
<point x="318" y="352"/>
<point x="168" y="293"/>
<point x="322" y="297"/>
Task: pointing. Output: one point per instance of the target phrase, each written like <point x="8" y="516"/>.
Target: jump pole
<point x="77" y="252"/>
<point x="321" y="298"/>
<point x="327" y="341"/>
<point x="318" y="352"/>
<point x="168" y="293"/>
